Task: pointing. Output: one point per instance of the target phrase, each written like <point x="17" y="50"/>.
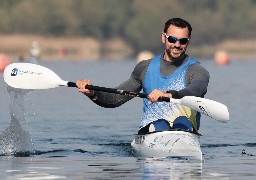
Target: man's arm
<point x="197" y="82"/>
<point x="111" y="100"/>
<point x="134" y="83"/>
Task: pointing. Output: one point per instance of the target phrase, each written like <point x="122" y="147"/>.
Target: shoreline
<point x="18" y="46"/>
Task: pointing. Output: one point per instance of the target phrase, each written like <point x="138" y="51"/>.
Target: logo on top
<point x="14" y="72"/>
<point x="17" y="71"/>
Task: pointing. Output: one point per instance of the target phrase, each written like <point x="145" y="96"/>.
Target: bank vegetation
<point x="114" y="29"/>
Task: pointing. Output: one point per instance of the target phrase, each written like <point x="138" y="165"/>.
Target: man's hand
<point x="156" y="94"/>
<point x="81" y="84"/>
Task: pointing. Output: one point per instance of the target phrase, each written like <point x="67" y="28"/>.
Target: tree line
<point x="138" y="22"/>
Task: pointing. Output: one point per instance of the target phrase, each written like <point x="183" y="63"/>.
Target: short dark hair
<point x="178" y="22"/>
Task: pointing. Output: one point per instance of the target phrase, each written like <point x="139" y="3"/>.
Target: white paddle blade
<point x="208" y="107"/>
<point x="31" y="76"/>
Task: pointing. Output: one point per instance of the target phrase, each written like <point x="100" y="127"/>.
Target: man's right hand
<point x="81" y="84"/>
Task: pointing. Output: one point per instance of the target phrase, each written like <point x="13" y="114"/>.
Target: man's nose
<point x="177" y="43"/>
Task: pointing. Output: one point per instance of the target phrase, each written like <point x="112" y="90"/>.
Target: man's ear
<point x="189" y="40"/>
<point x="163" y="38"/>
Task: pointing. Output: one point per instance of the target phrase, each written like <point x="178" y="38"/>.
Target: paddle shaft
<point x="118" y="91"/>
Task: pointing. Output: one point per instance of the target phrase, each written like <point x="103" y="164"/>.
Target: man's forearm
<point x="111" y="100"/>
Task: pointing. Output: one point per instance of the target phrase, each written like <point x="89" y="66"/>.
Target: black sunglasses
<point x="172" y="39"/>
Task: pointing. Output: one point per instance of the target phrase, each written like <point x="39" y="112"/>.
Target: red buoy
<point x="4" y="61"/>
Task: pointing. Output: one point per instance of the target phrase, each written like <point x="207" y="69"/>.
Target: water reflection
<point x="28" y="168"/>
<point x="171" y="169"/>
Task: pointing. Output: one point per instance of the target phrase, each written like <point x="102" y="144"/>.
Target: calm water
<point x="68" y="137"/>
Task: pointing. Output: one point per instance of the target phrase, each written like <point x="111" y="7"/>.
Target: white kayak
<point x="174" y="144"/>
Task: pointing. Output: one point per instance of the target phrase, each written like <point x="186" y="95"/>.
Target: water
<point x="66" y="136"/>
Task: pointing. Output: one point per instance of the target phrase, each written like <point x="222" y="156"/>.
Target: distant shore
<point x="89" y="49"/>
<point x="60" y="48"/>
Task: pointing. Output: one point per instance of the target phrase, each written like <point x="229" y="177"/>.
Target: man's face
<point x="176" y="41"/>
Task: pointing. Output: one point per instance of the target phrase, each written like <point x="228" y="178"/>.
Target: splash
<point x="16" y="139"/>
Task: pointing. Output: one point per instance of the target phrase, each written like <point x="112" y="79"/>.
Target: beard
<point x="175" y="53"/>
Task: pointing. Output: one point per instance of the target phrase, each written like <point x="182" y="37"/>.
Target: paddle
<point x="33" y="76"/>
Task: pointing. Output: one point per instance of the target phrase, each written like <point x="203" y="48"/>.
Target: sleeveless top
<point x="166" y="110"/>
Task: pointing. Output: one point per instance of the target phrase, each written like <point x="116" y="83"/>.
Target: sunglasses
<point x="172" y="39"/>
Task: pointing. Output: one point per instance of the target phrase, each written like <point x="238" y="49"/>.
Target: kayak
<point x="173" y="144"/>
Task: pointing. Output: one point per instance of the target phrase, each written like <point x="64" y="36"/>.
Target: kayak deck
<point x="174" y="144"/>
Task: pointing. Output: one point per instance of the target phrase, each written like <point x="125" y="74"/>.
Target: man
<point x="172" y="74"/>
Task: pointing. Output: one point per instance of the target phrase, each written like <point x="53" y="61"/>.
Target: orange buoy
<point x="4" y="61"/>
<point x="144" y="55"/>
<point x="222" y="58"/>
